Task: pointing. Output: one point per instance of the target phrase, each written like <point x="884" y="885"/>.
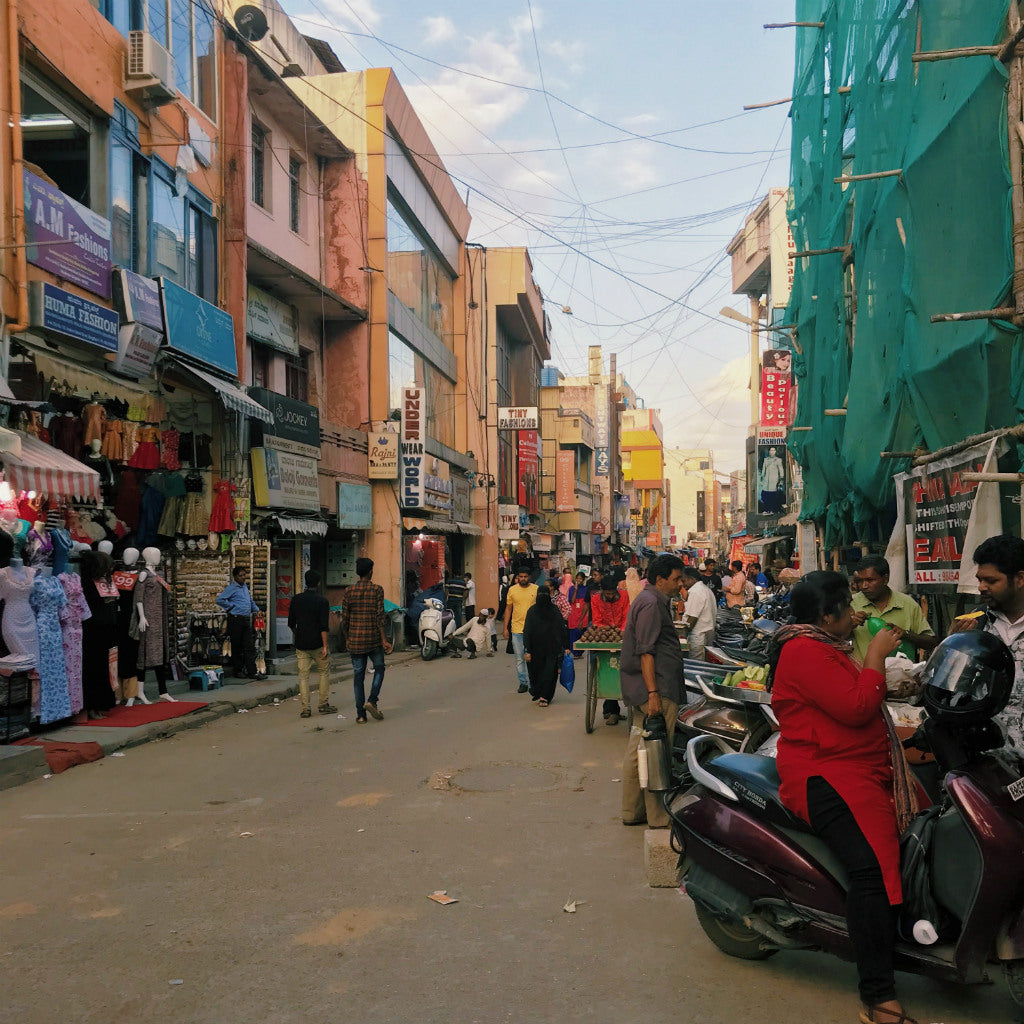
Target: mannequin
<point x="19" y="624"/>
<point x="150" y="601"/>
<point x="48" y="600"/>
<point x="98" y="633"/>
<point x="127" y="645"/>
<point x="100" y="462"/>
<point x="107" y="548"/>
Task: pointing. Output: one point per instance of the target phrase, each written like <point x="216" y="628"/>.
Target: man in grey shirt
<point x="651" y="670"/>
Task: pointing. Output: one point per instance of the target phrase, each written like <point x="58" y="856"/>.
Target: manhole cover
<point x="493" y="778"/>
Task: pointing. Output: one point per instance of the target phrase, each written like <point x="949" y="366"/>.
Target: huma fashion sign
<point x="65" y="313"/>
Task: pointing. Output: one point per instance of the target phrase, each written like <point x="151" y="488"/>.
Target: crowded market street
<point x="268" y="868"/>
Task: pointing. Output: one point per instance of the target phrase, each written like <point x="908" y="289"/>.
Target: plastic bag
<point x="568" y="673"/>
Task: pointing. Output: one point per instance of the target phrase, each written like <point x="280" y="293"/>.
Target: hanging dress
<point x="94" y="416"/>
<point x="151" y="597"/>
<point x="97" y="633"/>
<point x="127" y="646"/>
<point x="220" y="516"/>
<point x="174" y="499"/>
<point x="47" y="599"/>
<point x="151" y="510"/>
<point x="112" y="440"/>
<point x="71" y="617"/>
<point x="169" y="443"/>
<point x="147" y="454"/>
<point x="129" y="430"/>
<point x="19" y="618"/>
<point x="192" y="521"/>
<point x="129" y="500"/>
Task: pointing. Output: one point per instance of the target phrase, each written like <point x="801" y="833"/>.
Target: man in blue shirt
<point x="236" y="600"/>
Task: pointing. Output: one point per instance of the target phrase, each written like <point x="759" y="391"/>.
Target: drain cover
<point x="494" y="778"/>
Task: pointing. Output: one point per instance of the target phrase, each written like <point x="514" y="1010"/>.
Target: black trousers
<point x="243" y="645"/>
<point x="870" y="918"/>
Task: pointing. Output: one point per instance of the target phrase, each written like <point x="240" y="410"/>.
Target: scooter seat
<point x="755" y="780"/>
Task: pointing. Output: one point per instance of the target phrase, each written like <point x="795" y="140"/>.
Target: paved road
<point x="122" y="877"/>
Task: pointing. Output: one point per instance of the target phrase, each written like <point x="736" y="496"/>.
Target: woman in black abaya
<point x="546" y="641"/>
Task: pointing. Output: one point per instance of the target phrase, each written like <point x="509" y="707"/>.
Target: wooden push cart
<point x="602" y="677"/>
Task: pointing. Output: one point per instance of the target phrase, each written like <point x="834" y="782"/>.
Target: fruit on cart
<point x="601" y="635"/>
<point x="750" y="677"/>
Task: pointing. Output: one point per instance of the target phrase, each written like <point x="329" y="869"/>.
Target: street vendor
<point x="873" y="598"/>
<point x="651" y="670"/>
<point x="610" y="608"/>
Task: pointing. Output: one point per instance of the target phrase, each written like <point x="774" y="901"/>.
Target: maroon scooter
<point x="761" y="881"/>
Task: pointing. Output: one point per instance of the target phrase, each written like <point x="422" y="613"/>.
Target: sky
<point x="610" y="139"/>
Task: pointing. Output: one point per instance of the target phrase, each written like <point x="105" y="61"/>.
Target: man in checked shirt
<point x="362" y="622"/>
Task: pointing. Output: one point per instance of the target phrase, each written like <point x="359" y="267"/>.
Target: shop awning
<point x="45" y="470"/>
<point x="231" y="395"/>
<point x="441" y="526"/>
<point x="5" y="390"/>
<point x="761" y="543"/>
<point x="306" y="527"/>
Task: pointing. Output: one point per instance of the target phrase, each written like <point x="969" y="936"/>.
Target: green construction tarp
<point x="935" y="239"/>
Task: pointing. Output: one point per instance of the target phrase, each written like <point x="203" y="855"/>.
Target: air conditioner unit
<point x="149" y="70"/>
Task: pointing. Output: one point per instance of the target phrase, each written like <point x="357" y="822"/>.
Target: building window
<point x="129" y="175"/>
<point x="259" y="165"/>
<point x="297" y="377"/>
<point x="261" y="360"/>
<point x="295" y="194"/>
<point x="183" y="236"/>
<point x="405" y="367"/>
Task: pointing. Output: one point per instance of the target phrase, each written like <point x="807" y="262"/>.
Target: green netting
<point x="935" y="240"/>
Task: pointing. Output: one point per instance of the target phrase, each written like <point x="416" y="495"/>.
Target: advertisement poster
<point x="410" y="471"/>
<point x="602" y="439"/>
<point x="508" y="522"/>
<point x="383" y="456"/>
<point x="283" y="480"/>
<point x="565" y="481"/>
<point x="771" y="475"/>
<point x="776" y="380"/>
<point x="937" y="503"/>
<point x="523" y="418"/>
<point x="529" y="471"/>
<point x="66" y="238"/>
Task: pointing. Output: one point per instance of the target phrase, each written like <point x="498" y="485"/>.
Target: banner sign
<point x="271" y="321"/>
<point x="602" y="442"/>
<point x="937" y="502"/>
<point x="198" y="328"/>
<point x="437" y="487"/>
<point x="411" y="463"/>
<point x="53" y="309"/>
<point x="508" y="522"/>
<point x="780" y="247"/>
<point x="66" y="238"/>
<point x="355" y="506"/>
<point x="296" y="426"/>
<point x="771" y="475"/>
<point x="137" y="347"/>
<point x="776" y="367"/>
<point x="138" y="299"/>
<point x="383" y="456"/>
<point x="283" y="480"/>
<point x="565" y="481"/>
<point x="529" y="471"/>
<point x="518" y="419"/>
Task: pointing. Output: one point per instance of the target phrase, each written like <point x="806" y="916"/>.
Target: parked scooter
<point x="436" y="626"/>
<point x="761" y="881"/>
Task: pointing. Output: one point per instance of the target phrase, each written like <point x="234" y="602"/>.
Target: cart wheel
<point x="591" y="709"/>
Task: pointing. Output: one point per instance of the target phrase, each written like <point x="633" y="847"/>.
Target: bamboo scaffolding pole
<point x="796" y="24"/>
<point x="1013" y="110"/>
<point x="801" y="428"/>
<point x="993" y="478"/>
<point x="845" y="178"/>
<point x="773" y="103"/>
<point x="834" y="412"/>
<point x="969" y="442"/>
<point x="902" y="455"/>
<point x="1006" y="51"/>
<point x="931" y="56"/>
<point x="1000" y="313"/>
<point x="820" y="252"/>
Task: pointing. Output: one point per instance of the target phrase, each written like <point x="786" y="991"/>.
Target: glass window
<point x="294" y="193"/>
<point x="168" y="233"/>
<point x="204" y="92"/>
<point x="418" y="277"/>
<point x="260" y="366"/>
<point x="157" y="23"/>
<point x="183" y="239"/>
<point x="181" y="44"/>
<point x="406" y="366"/>
<point x="259" y="164"/>
<point x="297" y="377"/>
<point x="56" y="137"/>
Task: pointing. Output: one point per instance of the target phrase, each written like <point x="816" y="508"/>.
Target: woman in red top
<point x="835" y="760"/>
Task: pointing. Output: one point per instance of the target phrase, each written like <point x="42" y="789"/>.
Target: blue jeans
<point x="519" y="649"/>
<point x="359" y="674"/>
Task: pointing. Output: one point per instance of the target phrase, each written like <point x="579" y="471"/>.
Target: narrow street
<point x="266" y="868"/>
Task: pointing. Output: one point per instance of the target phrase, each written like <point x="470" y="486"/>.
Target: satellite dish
<point x="251" y="23"/>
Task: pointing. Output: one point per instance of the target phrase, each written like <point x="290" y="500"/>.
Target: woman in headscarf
<point x="633" y="584"/>
<point x="566" y="584"/>
<point x="546" y="642"/>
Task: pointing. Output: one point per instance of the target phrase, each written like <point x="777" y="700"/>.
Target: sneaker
<point x="472" y="656"/>
<point x="611" y="719"/>
<point x="522" y="688"/>
<point x="305" y="713"/>
<point x="327" y="709"/>
<point x="260" y="676"/>
<point x="374" y="710"/>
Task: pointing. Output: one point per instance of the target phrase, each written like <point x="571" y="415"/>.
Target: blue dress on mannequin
<point x="47" y="599"/>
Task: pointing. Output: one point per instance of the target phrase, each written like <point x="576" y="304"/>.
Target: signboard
<point x="776" y="367"/>
<point x="198" y="328"/>
<point x="271" y="321"/>
<point x="296" y="426"/>
<point x="383" y="456"/>
<point x="565" y="480"/>
<point x="138" y="299"/>
<point x="355" y="506"/>
<point x="529" y="471"/>
<point x="542" y="541"/>
<point x="66" y="238"/>
<point x="599" y="527"/>
<point x="283" y="480"/>
<point x="60" y="312"/>
<point x="602" y="455"/>
<point x="937" y="502"/>
<point x="781" y="248"/>
<point x="461" y="505"/>
<point x="437" y="487"/>
<point x="518" y="419"/>
<point x="508" y="522"/>
<point x="771" y="475"/>
<point x="411" y="461"/>
<point x="137" y="347"/>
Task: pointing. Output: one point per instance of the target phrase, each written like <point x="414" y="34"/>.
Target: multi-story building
<point x="643" y="468"/>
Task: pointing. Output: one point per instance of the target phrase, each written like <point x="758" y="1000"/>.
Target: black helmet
<point x="969" y="675"/>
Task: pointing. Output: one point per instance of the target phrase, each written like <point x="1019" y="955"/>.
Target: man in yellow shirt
<point x="522" y="596"/>
<point x="874" y="598"/>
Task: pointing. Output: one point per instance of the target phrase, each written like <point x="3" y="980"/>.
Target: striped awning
<point x="46" y="470"/>
<point x="306" y="527"/>
<point x="231" y="395"/>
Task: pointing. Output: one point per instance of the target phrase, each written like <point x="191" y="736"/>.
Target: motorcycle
<point x="761" y="881"/>
<point x="436" y="626"/>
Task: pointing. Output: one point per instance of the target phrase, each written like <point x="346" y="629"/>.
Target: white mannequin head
<point x="130" y="556"/>
<point x="96" y="444"/>
<point x="151" y="556"/>
<point x="105" y="546"/>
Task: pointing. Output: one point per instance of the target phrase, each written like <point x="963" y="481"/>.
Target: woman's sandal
<point x="542" y="703"/>
<point x="885" y="1016"/>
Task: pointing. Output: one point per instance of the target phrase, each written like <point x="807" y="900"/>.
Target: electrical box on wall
<point x="341" y="563"/>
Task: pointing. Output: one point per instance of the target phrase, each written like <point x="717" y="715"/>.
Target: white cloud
<point x="566" y="57"/>
<point x="439" y="29"/>
<point x="360" y="15"/>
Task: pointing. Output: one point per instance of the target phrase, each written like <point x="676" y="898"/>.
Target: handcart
<point x="602" y="677"/>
